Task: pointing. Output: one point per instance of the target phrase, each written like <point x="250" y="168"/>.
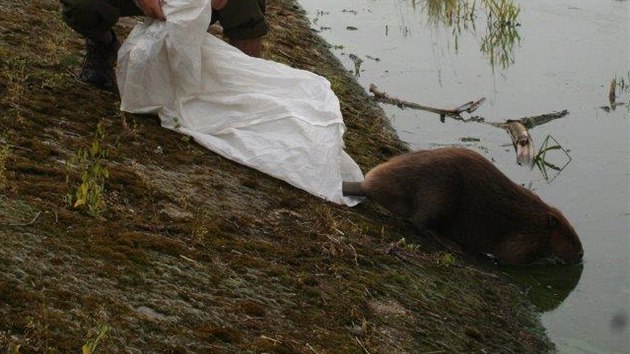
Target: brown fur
<point x="465" y="198"/>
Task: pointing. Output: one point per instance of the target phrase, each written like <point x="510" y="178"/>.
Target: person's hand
<point x="152" y="8"/>
<point x="218" y="4"/>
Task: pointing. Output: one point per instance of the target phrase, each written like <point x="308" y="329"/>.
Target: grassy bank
<point x="184" y="251"/>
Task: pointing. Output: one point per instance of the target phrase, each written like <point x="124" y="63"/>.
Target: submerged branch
<point x="531" y="122"/>
<point x="517" y="129"/>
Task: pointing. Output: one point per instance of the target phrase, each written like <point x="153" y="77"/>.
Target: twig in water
<point x="531" y="122"/>
<point x="612" y="95"/>
<point x="468" y="107"/>
<point x="517" y="129"/>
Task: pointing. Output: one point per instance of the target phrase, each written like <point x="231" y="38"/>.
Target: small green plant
<point x="446" y="259"/>
<point x="90" y="192"/>
<point x="408" y="246"/>
<point x="200" y="232"/>
<point x="13" y="348"/>
<point x="52" y="80"/>
<point x="95" y="339"/>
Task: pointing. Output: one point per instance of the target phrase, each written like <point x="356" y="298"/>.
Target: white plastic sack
<point x="282" y="121"/>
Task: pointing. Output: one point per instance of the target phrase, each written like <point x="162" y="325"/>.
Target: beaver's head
<point x="564" y="243"/>
<point x="549" y="238"/>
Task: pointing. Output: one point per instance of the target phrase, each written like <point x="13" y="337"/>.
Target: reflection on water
<point x="617" y="85"/>
<point x="500" y="19"/>
<point x="455" y="14"/>
<point x="619" y="321"/>
<point x="549" y="166"/>
<point x="501" y="32"/>
<point x="547" y="286"/>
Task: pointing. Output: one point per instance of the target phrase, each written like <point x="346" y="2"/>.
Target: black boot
<point x="98" y="64"/>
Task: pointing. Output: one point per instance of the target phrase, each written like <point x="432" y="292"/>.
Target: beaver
<point x="463" y="197"/>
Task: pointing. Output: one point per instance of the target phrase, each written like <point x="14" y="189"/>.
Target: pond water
<point x="564" y="56"/>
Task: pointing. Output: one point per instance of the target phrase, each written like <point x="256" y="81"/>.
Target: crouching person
<point x="243" y="22"/>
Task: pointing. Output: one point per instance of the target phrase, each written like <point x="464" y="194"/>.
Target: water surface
<point x="568" y="53"/>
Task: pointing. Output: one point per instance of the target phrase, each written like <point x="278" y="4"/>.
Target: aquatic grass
<point x="457" y="15"/>
<point x="502" y="12"/>
<point x="449" y="12"/>
<point x="95" y="339"/>
<point x="498" y="44"/>
<point x="541" y="161"/>
<point x="501" y="25"/>
<point x="501" y="32"/>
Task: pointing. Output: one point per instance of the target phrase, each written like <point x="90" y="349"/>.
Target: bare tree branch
<point x="517" y="129"/>
<point x="383" y="97"/>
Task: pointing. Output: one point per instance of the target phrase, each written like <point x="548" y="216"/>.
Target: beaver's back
<point x="456" y="192"/>
<point x="423" y="185"/>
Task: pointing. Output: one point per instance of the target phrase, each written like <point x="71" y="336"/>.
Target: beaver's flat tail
<point x="353" y="189"/>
